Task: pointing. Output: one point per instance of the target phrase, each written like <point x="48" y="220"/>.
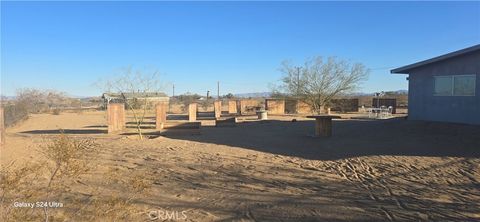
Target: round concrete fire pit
<point x="262" y="114"/>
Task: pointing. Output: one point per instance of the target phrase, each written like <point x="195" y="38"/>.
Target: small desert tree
<point x="135" y="88"/>
<point x="318" y="81"/>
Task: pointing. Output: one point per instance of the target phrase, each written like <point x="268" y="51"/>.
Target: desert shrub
<point x="204" y="104"/>
<point x="16" y="185"/>
<point x="186" y="99"/>
<point x="14" y="113"/>
<point x="56" y="111"/>
<point x="66" y="156"/>
<point x="29" y="101"/>
<point x="79" y="111"/>
<point x="66" y="160"/>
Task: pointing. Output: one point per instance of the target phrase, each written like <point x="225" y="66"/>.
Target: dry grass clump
<point x="115" y="199"/>
<point x="16" y="185"/>
<point x="60" y="178"/>
<point x="65" y="161"/>
<point x="56" y="111"/>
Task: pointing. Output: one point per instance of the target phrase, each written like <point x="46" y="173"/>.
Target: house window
<point x="464" y="85"/>
<point x="443" y="85"/>
<point x="460" y="85"/>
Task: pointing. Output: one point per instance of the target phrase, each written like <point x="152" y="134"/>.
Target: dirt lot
<point x="381" y="170"/>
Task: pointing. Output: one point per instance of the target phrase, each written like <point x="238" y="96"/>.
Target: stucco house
<point x="445" y="88"/>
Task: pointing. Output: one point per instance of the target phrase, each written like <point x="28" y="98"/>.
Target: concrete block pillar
<point x="232" y="107"/>
<point x="161" y="115"/>
<point x="192" y="112"/>
<point x="115" y="117"/>
<point x="2" y="128"/>
<point x="217" y="106"/>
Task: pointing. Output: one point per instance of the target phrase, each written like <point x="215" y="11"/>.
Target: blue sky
<point x="69" y="46"/>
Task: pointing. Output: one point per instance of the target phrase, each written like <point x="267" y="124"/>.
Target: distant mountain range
<point x="252" y="95"/>
<point x="398" y="92"/>
<point x="241" y="95"/>
<point x="268" y="94"/>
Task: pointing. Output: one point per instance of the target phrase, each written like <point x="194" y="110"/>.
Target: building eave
<point x="406" y="69"/>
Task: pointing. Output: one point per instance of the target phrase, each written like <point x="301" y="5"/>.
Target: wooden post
<point x="115" y="117"/>
<point x="2" y="128"/>
<point x="217" y="106"/>
<point x="192" y="112"/>
<point x="232" y="107"/>
<point x="161" y="115"/>
<point x="323" y="127"/>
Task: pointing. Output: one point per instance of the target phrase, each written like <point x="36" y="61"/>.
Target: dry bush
<point x="79" y="111"/>
<point x="66" y="159"/>
<point x="112" y="197"/>
<point x="140" y="86"/>
<point x="14" y="113"/>
<point x="16" y="185"/>
<point x="29" y="101"/>
<point x="56" y="111"/>
<point x="185" y="99"/>
<point x="205" y="104"/>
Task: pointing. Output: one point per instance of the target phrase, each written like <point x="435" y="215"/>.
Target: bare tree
<point x="135" y="87"/>
<point x="318" y="80"/>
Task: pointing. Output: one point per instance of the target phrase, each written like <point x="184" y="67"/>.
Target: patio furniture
<point x="374" y="112"/>
<point x="323" y="125"/>
<point x="385" y="112"/>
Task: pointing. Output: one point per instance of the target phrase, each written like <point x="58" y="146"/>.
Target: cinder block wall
<point x="275" y="106"/>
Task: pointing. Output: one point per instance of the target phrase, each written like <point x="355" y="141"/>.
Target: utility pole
<point x="218" y="89"/>
<point x="298" y="81"/>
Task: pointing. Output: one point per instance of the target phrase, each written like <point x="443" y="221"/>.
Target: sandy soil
<point x="384" y="170"/>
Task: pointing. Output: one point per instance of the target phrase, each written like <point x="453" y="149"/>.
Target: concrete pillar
<point x="2" y="128"/>
<point x="232" y="107"/>
<point x="329" y="111"/>
<point x="115" y="117"/>
<point x="161" y="115"/>
<point x="217" y="106"/>
<point x="192" y="112"/>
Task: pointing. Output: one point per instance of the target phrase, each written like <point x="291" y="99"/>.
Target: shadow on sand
<point x="67" y="131"/>
<point x="352" y="138"/>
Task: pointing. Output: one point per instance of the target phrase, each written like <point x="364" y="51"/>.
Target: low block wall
<point x="344" y="105"/>
<point x="247" y="106"/>
<point x="275" y="106"/>
<point x="303" y="108"/>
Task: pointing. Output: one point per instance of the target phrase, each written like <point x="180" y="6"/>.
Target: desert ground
<point x="272" y="170"/>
